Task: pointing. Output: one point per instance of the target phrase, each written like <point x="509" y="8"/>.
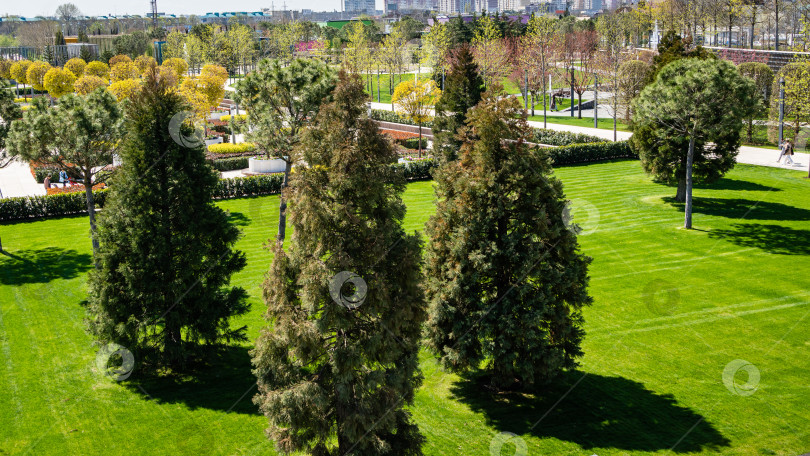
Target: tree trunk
<point x="282" y="206"/>
<point x="680" y="195"/>
<point x="579" y="107"/>
<point x="420" y="139"/>
<point x="545" y="119"/>
<point x="750" y="130"/>
<point x="91" y="214"/>
<point x="776" y="23"/>
<point x="687" y="220"/>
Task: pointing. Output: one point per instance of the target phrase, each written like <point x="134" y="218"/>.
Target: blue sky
<point x="104" y="7"/>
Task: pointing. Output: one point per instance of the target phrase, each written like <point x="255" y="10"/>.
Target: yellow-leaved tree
<point x="414" y="100"/>
<point x="76" y="66"/>
<point x="124" y="70"/>
<point x="125" y="89"/>
<point x="99" y="69"/>
<point x="88" y="83"/>
<point x="59" y="82"/>
<point x="36" y="74"/>
<point x="179" y="66"/>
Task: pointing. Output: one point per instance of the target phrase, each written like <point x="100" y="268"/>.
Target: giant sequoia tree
<point x="505" y="279"/>
<point x="687" y="124"/>
<point x="340" y="360"/>
<point x="166" y="253"/>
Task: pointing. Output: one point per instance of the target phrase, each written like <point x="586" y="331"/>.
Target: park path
<point x="16" y="180"/>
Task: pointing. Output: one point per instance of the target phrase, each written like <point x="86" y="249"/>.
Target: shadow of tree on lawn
<point x="42" y="265"/>
<point x="599" y="412"/>
<point x="775" y="239"/>
<point x="743" y="209"/>
<point x="238" y="219"/>
<point x="225" y="384"/>
<point x="736" y="185"/>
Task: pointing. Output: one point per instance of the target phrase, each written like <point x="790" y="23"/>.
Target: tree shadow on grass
<point x="598" y="412"/>
<point x="238" y="219"/>
<point x="775" y="239"/>
<point x="42" y="265"/>
<point x="739" y="208"/>
<point x="737" y="185"/>
<point x="225" y="384"/>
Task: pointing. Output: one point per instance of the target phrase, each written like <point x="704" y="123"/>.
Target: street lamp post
<point x="781" y="110"/>
<point x="595" y="101"/>
<point x="572" y="91"/>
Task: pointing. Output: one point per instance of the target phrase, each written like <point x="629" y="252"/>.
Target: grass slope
<point x="671" y="309"/>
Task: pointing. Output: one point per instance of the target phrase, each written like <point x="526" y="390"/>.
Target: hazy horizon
<point x="142" y="7"/>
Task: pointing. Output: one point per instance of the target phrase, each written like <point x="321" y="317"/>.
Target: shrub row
<point x="586" y="153"/>
<point x="48" y="206"/>
<point x="416" y="170"/>
<point x="237" y="187"/>
<point x="391" y="116"/>
<point x="562" y="138"/>
<point x="228" y="148"/>
<point x="229" y="164"/>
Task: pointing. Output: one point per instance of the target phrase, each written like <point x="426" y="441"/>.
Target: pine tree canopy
<point x="504" y="277"/>
<point x="335" y="374"/>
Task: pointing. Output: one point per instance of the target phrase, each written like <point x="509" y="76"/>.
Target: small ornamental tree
<point x="144" y="62"/>
<point x="797" y="99"/>
<point x="59" y="82"/>
<point x="120" y="58"/>
<point x="504" y="277"/>
<point x="5" y="68"/>
<point x="462" y="90"/>
<point x="414" y="100"/>
<point x="179" y="66"/>
<point x="126" y="89"/>
<point x="167" y="252"/>
<point x="18" y="72"/>
<point x="281" y="102"/>
<point x="79" y="136"/>
<point x="633" y="76"/>
<point x="76" y="66"/>
<point x="88" y="84"/>
<point x="35" y="76"/>
<point x="124" y="70"/>
<point x="98" y="69"/>
<point x="687" y="124"/>
<point x="340" y="364"/>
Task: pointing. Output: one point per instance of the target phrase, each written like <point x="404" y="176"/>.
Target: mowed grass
<point x="672" y="308"/>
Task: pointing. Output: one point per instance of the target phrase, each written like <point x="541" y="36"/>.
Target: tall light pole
<point x="595" y="101"/>
<point x="781" y="110"/>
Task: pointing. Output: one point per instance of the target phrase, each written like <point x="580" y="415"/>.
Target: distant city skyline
<point x="33" y="8"/>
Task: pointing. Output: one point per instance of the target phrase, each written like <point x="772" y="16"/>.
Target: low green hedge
<point x="391" y="116"/>
<point x="237" y="187"/>
<point x="562" y="138"/>
<point x="413" y="143"/>
<point x="229" y="164"/>
<point x="586" y="153"/>
<point x="48" y="205"/>
<point x="416" y="170"/>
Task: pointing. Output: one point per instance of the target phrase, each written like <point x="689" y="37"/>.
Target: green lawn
<point x="384" y="85"/>
<point x="671" y="309"/>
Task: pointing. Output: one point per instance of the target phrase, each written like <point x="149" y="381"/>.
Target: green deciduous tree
<point x="340" y="364"/>
<point x="280" y="102"/>
<point x="687" y="124"/>
<point x="166" y="257"/>
<point x="797" y="98"/>
<point x="79" y="136"/>
<point x="762" y="75"/>
<point x="462" y="90"/>
<point x="504" y="277"/>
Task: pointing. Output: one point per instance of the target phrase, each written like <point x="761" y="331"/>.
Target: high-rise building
<point x="457" y="6"/>
<point x="359" y="6"/>
<point x="411" y="5"/>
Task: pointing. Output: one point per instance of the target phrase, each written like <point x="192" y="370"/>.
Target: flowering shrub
<point x="74" y="189"/>
<point x="227" y="148"/>
<point x="399" y="135"/>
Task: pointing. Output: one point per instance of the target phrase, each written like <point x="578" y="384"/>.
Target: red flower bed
<point x="399" y="135"/>
<point x="73" y="188"/>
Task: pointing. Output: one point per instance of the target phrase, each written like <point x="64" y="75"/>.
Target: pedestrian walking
<point x="788" y="153"/>
<point x="47" y="183"/>
<point x="781" y="150"/>
<point x="63" y="178"/>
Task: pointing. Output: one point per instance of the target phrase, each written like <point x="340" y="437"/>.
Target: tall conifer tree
<point x="339" y="364"/>
<point x="504" y="277"/>
<point x="463" y="89"/>
<point x="166" y="251"/>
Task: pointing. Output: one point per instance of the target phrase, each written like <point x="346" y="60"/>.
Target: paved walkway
<point x="16" y="180"/>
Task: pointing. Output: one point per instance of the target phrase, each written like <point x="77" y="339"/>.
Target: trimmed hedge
<point x="228" y="148"/>
<point x="48" y="206"/>
<point x="391" y="116"/>
<point x="416" y="170"/>
<point x="562" y="138"/>
<point x="229" y="164"/>
<point x="586" y="153"/>
<point x="237" y="187"/>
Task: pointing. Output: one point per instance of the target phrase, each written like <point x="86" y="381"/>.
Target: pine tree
<point x="340" y="361"/>
<point x="463" y="89"/>
<point x="504" y="279"/>
<point x="166" y="253"/>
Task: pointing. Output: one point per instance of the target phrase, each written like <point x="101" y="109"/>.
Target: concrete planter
<point x="217" y="140"/>
<point x="217" y="115"/>
<point x="266" y="165"/>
